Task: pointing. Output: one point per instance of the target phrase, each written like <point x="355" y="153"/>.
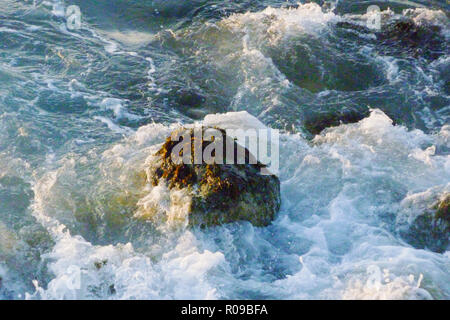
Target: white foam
<point x="381" y="285"/>
<point x="333" y="210"/>
<point x="117" y="107"/>
<point x="277" y="23"/>
<point x="84" y="271"/>
<point x="233" y="120"/>
<point x="112" y="126"/>
<point x="425" y="15"/>
<point x="415" y="204"/>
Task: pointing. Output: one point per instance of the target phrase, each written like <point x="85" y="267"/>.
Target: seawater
<point x="82" y="112"/>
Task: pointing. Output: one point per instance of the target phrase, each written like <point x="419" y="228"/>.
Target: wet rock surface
<point x="430" y="229"/>
<point x="316" y="122"/>
<point x="219" y="193"/>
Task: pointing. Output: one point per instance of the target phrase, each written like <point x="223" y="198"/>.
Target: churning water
<point x="82" y="110"/>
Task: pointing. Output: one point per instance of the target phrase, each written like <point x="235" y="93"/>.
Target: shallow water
<point x="82" y="111"/>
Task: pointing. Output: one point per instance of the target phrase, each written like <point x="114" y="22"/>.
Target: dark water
<point x="81" y="110"/>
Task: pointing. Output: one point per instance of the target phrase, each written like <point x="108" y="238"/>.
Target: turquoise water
<point x="82" y="110"/>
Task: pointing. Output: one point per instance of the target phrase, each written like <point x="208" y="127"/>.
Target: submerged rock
<point x="218" y="193"/>
<point x="405" y="37"/>
<point x="430" y="229"/>
<point x="416" y="39"/>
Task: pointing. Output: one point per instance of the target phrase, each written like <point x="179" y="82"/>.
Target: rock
<point x="419" y="40"/>
<point x="431" y="228"/>
<point x="189" y="101"/>
<point x="189" y="98"/>
<point x="219" y="193"/>
<point x="443" y="211"/>
<point x="315" y="122"/>
<point x="404" y="37"/>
